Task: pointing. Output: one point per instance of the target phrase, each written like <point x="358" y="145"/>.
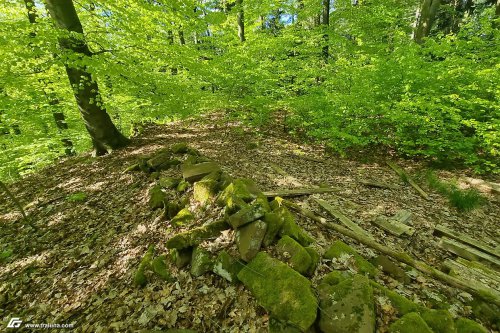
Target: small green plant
<point x="5" y="255"/>
<point x="77" y="197"/>
<point x="463" y="200"/>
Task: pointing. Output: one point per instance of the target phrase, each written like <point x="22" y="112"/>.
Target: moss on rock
<point x="465" y="325"/>
<point x="339" y="248"/>
<point x="347" y="307"/>
<point x="139" y="276"/>
<point x="205" y="190"/>
<point x="410" y="323"/>
<point x="294" y="254"/>
<point x="249" y="239"/>
<point x="156" y="197"/>
<point x="200" y="262"/>
<point x="179" y="148"/>
<point x="238" y="189"/>
<point x="335" y="277"/>
<point x="169" y="182"/>
<point x="227" y="266"/>
<point x="290" y="227"/>
<point x="246" y="215"/>
<point x="197" y="235"/>
<point x="440" y="321"/>
<point x="160" y="268"/>
<point x="182" y="186"/>
<point x="183" y="217"/>
<point x="400" y="303"/>
<point x="181" y="257"/>
<point x="282" y="291"/>
<point x="274" y="224"/>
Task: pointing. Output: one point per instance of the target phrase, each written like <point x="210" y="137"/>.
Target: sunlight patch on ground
<point x="71" y="184"/>
<point x="56" y="219"/>
<point x="22" y="263"/>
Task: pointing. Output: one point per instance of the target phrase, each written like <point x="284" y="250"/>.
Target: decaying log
<point x="393" y="226"/>
<point x="468" y="252"/>
<point x="298" y="192"/>
<point x="341" y="217"/>
<point x="407" y="178"/>
<point x="440" y="230"/>
<point x="472" y="274"/>
<point x="402" y="257"/>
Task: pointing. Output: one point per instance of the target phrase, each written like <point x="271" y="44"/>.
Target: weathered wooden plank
<point x="440" y="230"/>
<point x="393" y="226"/>
<point x="465" y="273"/>
<point x="407" y="178"/>
<point x="468" y="252"/>
<point x="484" y="270"/>
<point x="298" y="192"/>
<point x="342" y="218"/>
<point x="371" y="183"/>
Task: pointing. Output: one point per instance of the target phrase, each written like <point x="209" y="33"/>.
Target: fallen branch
<point x="408" y="179"/>
<point x="402" y="257"/>
<point x="298" y="192"/>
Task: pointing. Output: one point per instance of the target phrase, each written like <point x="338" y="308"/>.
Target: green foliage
<point x="77" y="197"/>
<point x="463" y="200"/>
<point x="378" y="88"/>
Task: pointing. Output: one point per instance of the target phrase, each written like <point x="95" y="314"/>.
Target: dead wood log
<point x="378" y="184"/>
<point x="403" y="257"/>
<point x="408" y="179"/>
<point x="468" y="252"/>
<point x="298" y="192"/>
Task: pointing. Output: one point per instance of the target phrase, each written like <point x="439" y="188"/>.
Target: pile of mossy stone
<point x="342" y="302"/>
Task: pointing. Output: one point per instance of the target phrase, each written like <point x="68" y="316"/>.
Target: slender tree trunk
<point x="105" y="136"/>
<point x="241" y="20"/>
<point x="182" y="40"/>
<point x="326" y="22"/>
<point x="426" y="19"/>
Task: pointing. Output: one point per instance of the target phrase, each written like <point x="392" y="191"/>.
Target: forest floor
<point x="77" y="267"/>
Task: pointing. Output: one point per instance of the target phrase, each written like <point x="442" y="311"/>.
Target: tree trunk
<point x="325" y="22"/>
<point x="105" y="136"/>
<point x="241" y="20"/>
<point x="426" y="19"/>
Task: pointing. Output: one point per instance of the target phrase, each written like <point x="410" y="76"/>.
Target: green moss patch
<point x="410" y="323"/>
<point x="339" y="249"/>
<point x="294" y="254"/>
<point x="282" y="291"/>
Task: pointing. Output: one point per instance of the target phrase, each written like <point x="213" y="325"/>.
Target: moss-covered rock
<point x="410" y="323"/>
<point x="227" y="266"/>
<point x="194" y="172"/>
<point x="315" y="259"/>
<point x="390" y="267"/>
<point x="486" y="312"/>
<point x="339" y="249"/>
<point x="464" y="325"/>
<point x="274" y="223"/>
<point x="205" y="190"/>
<point x="294" y="254"/>
<point x="246" y="215"/>
<point x="290" y="227"/>
<point x="156" y="197"/>
<point x="224" y="180"/>
<point x="159" y="266"/>
<point x="249" y="239"/>
<point x="440" y="321"/>
<point x="181" y="257"/>
<point x="262" y="201"/>
<point x="169" y="182"/>
<point x="179" y="148"/>
<point x="238" y="189"/>
<point x="183" y="217"/>
<point x="347" y="307"/>
<point x="171" y="208"/>
<point x="201" y="262"/>
<point x="277" y="326"/>
<point x="197" y="235"/>
<point x="139" y="276"/>
<point x="182" y="186"/>
<point x="400" y="303"/>
<point x="335" y="277"/>
<point x="282" y="291"/>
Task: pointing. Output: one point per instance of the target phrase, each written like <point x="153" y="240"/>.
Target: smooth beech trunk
<point x="426" y="19"/>
<point x="105" y="136"/>
<point x="241" y="20"/>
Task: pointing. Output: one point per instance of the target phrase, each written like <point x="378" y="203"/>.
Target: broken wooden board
<point x="440" y="230"/>
<point x="195" y="172"/>
<point x="484" y="270"/>
<point x="342" y="218"/>
<point x="378" y="184"/>
<point x="467" y="273"/>
<point x="407" y="178"/>
<point x="468" y="252"/>
<point x="393" y="226"/>
<point x="298" y="192"/>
